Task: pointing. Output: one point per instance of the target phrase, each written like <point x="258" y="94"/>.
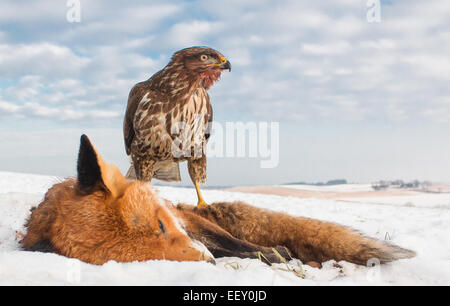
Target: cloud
<point x="29" y="11"/>
<point x="327" y="49"/>
<point x="189" y="33"/>
<point x="44" y="59"/>
<point x="430" y="66"/>
<point x="318" y="67"/>
<point x="133" y="22"/>
<point x="66" y="113"/>
<point x="8" y="108"/>
<point x="295" y="59"/>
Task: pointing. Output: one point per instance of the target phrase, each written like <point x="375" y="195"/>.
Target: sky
<point x="353" y="98"/>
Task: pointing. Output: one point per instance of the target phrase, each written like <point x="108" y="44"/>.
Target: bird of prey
<point x="168" y="117"/>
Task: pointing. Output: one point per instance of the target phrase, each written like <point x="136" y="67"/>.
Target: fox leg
<point x="222" y="244"/>
<point x="197" y="172"/>
<point x="38" y="228"/>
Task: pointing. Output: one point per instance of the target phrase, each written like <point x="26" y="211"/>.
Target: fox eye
<point x="203" y="57"/>
<point x="161" y="227"/>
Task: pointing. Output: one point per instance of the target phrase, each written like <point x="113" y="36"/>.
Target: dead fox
<point x="102" y="216"/>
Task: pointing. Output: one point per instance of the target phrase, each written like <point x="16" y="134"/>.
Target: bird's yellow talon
<point x="202" y="204"/>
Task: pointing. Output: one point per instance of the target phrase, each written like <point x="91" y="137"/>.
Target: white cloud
<point x="297" y="52"/>
<point x="241" y="56"/>
<point x="327" y="49"/>
<point x="189" y="33"/>
<point x="314" y="64"/>
<point x="31" y="11"/>
<point x="431" y="66"/>
<point x="27" y="88"/>
<point x="8" y="108"/>
<point x="44" y="59"/>
<point x="65" y="113"/>
<point x="379" y="44"/>
<point x="298" y="18"/>
<point x="132" y="21"/>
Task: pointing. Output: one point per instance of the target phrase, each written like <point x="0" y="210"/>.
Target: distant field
<point x="343" y="191"/>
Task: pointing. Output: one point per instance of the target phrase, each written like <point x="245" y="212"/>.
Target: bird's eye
<point x="203" y="57"/>
<point x="161" y="227"/>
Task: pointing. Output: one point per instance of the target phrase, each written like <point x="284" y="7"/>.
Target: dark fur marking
<point x="89" y="173"/>
<point x="226" y="245"/>
<point x="44" y="246"/>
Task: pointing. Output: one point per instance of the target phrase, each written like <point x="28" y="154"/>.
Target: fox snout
<point x="183" y="248"/>
<point x="205" y="253"/>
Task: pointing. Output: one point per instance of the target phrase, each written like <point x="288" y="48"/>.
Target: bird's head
<point x="202" y="62"/>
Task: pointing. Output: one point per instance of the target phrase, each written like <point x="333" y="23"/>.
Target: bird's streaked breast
<point x="161" y="123"/>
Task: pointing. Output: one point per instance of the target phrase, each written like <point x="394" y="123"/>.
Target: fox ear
<point x="94" y="171"/>
<point x="88" y="168"/>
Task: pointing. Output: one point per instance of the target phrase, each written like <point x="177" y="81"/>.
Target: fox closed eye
<point x="161" y="227"/>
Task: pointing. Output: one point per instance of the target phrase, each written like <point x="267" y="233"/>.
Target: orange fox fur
<point x="101" y="216"/>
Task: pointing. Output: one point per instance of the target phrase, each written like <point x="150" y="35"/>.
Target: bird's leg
<point x="197" y="172"/>
<point x="201" y="202"/>
<point x="143" y="169"/>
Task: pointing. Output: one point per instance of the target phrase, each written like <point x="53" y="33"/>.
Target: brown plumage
<point x="168" y="117"/>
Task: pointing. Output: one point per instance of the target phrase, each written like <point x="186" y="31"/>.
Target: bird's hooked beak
<point x="224" y="64"/>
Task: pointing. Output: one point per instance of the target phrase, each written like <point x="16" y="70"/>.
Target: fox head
<point x="102" y="216"/>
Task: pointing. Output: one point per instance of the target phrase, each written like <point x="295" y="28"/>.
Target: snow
<point x="418" y="222"/>
<point x="418" y="199"/>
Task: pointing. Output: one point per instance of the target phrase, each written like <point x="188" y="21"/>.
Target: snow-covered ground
<point x="333" y="188"/>
<point x="420" y="223"/>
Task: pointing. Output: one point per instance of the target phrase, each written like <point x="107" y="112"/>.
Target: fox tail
<point x="307" y="239"/>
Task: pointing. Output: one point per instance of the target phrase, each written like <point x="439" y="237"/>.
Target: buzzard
<point x="168" y="117"/>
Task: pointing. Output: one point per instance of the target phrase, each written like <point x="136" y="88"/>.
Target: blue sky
<point x="356" y="100"/>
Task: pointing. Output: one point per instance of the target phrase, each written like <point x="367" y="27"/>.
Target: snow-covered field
<point x="419" y="222"/>
<point x="333" y="188"/>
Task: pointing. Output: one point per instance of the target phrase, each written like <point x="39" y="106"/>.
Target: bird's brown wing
<point x="134" y="98"/>
<point x="152" y="139"/>
<point x="209" y="120"/>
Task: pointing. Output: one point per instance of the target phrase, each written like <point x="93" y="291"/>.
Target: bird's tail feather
<point x="131" y="174"/>
<point x="168" y="171"/>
